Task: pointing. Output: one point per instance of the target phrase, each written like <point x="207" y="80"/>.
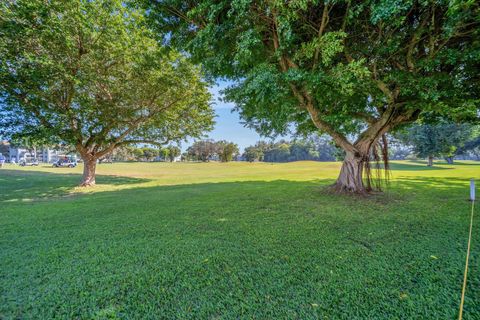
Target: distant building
<point x="47" y="155"/>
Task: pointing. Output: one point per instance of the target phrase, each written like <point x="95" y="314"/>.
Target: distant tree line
<point x="206" y="150"/>
<point x="445" y="140"/>
<point x="130" y="153"/>
<point x="316" y="148"/>
<point x="420" y="141"/>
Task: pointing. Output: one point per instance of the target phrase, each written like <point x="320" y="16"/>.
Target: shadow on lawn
<point x="414" y="167"/>
<point x="444" y="163"/>
<point x="426" y="184"/>
<point x="19" y="185"/>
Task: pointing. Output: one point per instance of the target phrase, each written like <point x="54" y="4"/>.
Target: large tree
<point x="226" y="151"/>
<point x="437" y="140"/>
<point x="173" y="152"/>
<point x="89" y="73"/>
<point x="202" y="150"/>
<point x="352" y="69"/>
<point x="257" y="151"/>
<point x="472" y="146"/>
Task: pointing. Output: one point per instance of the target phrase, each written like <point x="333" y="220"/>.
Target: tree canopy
<point x="227" y="151"/>
<point x="203" y="150"/>
<point x="206" y="150"/>
<point x="353" y="69"/>
<point x="313" y="148"/>
<point x="91" y="74"/>
<point x="173" y="152"/>
<point x="438" y="140"/>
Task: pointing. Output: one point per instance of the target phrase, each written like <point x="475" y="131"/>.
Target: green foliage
<point x="227" y="151"/>
<point x="138" y="153"/>
<point x="235" y="240"/>
<point x="206" y="150"/>
<point x="435" y="140"/>
<point x="203" y="150"/>
<point x="131" y="153"/>
<point x="356" y="68"/>
<point x="314" y="148"/>
<point x="472" y="146"/>
<point x="164" y="153"/>
<point x="90" y="74"/>
<point x="256" y="152"/>
<point x="149" y="153"/>
<point x="279" y="153"/>
<point x="173" y="152"/>
<point x="303" y="150"/>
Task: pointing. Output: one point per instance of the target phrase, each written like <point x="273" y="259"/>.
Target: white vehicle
<point x="66" y="162"/>
<point x="28" y="162"/>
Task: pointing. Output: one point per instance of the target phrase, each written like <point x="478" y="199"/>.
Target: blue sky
<point x="228" y="126"/>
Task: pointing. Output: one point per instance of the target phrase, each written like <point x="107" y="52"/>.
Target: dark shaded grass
<point x="267" y="250"/>
<point x="414" y="167"/>
<point x="444" y="163"/>
<point x="18" y="185"/>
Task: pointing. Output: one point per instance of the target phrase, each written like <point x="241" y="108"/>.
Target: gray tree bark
<point x="89" y="167"/>
<point x="430" y="161"/>
<point x="350" y="179"/>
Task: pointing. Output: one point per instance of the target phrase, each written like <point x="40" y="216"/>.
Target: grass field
<point x="235" y="241"/>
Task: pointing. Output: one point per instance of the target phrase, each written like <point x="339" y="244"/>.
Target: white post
<point x="472" y="189"/>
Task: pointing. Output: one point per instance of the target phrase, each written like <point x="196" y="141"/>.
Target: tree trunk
<point x="350" y="179"/>
<point x="449" y="160"/>
<point x="430" y="161"/>
<point x="89" y="167"/>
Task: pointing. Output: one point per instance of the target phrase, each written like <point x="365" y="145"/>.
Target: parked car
<point x="28" y="162"/>
<point x="69" y="162"/>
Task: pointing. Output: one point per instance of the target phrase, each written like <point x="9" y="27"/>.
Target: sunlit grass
<point x="160" y="173"/>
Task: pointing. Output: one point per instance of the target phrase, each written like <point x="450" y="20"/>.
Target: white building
<point x="18" y="154"/>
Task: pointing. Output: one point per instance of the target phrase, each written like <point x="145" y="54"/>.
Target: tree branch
<point x="323" y="24"/>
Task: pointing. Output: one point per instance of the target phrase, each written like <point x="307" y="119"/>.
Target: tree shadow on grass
<point x="444" y="163"/>
<point x="459" y="163"/>
<point x="19" y="185"/>
<point x="395" y="166"/>
<point x="432" y="185"/>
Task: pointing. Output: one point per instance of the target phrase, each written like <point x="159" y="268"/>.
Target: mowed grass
<point x="235" y="241"/>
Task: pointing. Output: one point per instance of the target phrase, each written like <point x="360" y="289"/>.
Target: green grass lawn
<point x="236" y="240"/>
